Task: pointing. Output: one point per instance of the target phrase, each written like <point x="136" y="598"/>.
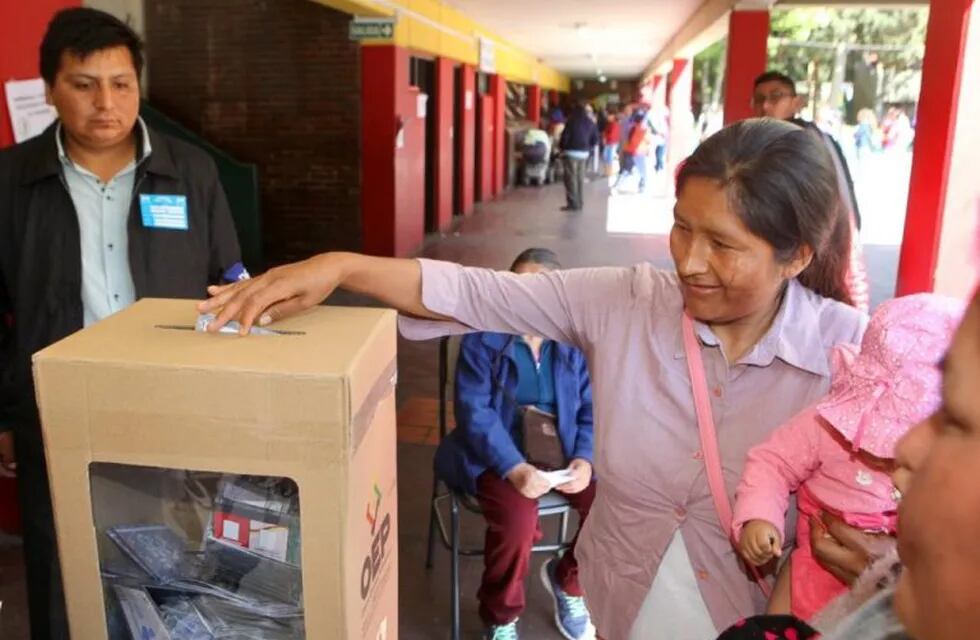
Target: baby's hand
<point x="760" y="542"/>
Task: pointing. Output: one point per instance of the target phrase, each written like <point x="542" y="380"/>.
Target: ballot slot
<point x="232" y="327"/>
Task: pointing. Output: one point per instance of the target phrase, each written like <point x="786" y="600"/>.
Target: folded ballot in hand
<point x="557" y="478"/>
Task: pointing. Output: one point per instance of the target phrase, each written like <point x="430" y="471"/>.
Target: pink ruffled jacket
<point x="811" y="458"/>
<point x="808" y="451"/>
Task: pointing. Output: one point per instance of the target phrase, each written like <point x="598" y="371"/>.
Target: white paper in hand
<point x="557" y="478"/>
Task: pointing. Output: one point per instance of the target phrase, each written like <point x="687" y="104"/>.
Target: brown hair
<point x="782" y="184"/>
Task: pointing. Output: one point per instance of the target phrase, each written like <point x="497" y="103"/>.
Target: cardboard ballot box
<point x="205" y="484"/>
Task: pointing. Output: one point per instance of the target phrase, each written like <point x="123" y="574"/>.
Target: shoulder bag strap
<point x="709" y="439"/>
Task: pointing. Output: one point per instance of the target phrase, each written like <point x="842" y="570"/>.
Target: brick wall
<point x="276" y="83"/>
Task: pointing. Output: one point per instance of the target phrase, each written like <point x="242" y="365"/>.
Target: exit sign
<point x="372" y="29"/>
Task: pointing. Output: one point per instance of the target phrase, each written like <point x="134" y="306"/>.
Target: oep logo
<point x="379" y="545"/>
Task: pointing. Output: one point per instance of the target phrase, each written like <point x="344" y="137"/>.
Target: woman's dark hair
<point x="82" y="32"/>
<point x="782" y="183"/>
<point x="534" y="255"/>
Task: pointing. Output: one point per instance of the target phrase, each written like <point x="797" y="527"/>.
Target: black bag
<point x="542" y="446"/>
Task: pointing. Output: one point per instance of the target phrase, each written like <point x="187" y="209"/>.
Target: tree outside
<point x="851" y="59"/>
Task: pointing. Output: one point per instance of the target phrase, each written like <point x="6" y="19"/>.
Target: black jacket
<point x="40" y="251"/>
<point x="579" y="134"/>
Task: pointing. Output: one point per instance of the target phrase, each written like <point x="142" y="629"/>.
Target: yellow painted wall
<point x="432" y="27"/>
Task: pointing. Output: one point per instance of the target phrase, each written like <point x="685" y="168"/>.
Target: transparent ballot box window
<point x="193" y="555"/>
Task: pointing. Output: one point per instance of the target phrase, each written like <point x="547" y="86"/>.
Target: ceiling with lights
<point x="585" y="38"/>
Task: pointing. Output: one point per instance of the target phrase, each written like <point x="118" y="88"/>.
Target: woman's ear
<point x="800" y="261"/>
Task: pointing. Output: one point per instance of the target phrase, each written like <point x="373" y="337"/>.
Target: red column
<point x="681" y="140"/>
<point x="484" y="161"/>
<point x="498" y="90"/>
<point x="466" y="139"/>
<point x="392" y="154"/>
<point x="942" y="73"/>
<point x="22" y="26"/>
<point x="442" y="111"/>
<point x="534" y="104"/>
<point x="747" y="58"/>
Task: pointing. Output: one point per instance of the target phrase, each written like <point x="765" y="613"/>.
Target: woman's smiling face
<point x="727" y="273"/>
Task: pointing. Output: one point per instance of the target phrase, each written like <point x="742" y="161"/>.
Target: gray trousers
<point x="574" y="180"/>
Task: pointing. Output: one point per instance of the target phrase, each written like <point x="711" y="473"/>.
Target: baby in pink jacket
<point x="838" y="454"/>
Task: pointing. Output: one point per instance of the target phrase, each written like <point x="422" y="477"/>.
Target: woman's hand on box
<point x="275" y="294"/>
<point x="291" y="288"/>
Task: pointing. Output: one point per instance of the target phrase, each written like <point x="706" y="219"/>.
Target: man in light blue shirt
<point x="103" y="212"/>
<point x="96" y="212"/>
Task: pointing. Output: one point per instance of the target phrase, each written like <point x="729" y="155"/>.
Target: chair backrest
<point x="448" y="357"/>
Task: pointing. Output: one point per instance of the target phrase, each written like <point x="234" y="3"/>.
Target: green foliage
<point x="708" y="69"/>
<point x="899" y="32"/>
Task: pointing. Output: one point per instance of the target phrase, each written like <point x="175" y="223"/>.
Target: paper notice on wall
<point x="29" y="113"/>
<point x="400" y="139"/>
<point x="422" y="101"/>
<point x="488" y="56"/>
<point x="469" y="100"/>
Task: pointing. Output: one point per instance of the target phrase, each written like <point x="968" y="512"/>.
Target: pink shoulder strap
<point x="709" y="439"/>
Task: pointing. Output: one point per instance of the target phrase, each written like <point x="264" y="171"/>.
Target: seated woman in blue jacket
<point x="499" y="379"/>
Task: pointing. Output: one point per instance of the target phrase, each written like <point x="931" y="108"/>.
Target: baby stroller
<point x="535" y="157"/>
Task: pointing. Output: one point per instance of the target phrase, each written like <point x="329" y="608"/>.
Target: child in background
<point x="837" y="455"/>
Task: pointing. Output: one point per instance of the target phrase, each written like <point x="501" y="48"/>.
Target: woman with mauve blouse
<point x="760" y="267"/>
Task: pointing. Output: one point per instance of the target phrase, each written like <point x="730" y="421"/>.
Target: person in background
<point x="96" y="212"/>
<point x="864" y="134"/>
<point x="897" y="130"/>
<point x="657" y="122"/>
<point x="595" y="153"/>
<point x="578" y="139"/>
<point x="635" y="152"/>
<point x="502" y="381"/>
<point x="556" y="116"/>
<point x="625" y="125"/>
<point x="610" y="138"/>
<point x="775" y="96"/>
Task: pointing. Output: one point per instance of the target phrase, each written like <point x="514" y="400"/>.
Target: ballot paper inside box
<point x="207" y="484"/>
<point x="164" y="575"/>
<point x="260" y="514"/>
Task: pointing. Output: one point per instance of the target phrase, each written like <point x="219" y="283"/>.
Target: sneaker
<point x="502" y="632"/>
<point x="571" y="615"/>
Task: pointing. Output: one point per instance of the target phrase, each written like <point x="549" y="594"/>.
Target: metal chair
<point x="551" y="504"/>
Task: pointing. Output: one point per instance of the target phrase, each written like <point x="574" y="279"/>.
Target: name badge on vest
<point x="164" y="212"/>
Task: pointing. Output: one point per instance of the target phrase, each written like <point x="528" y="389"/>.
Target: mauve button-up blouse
<point x="651" y="474"/>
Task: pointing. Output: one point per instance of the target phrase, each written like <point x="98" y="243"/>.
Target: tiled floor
<point x="610" y="231"/>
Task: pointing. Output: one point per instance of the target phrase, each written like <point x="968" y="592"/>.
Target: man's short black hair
<point x="82" y="32"/>
<point x="776" y="76"/>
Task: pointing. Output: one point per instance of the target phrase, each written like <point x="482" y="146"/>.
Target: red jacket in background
<point x="612" y="132"/>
